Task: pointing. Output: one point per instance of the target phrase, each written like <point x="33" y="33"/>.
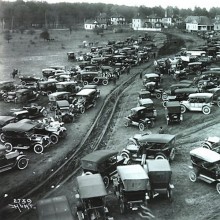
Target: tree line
<point x="40" y="14"/>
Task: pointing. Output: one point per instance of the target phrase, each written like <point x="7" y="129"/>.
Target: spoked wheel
<point x="105" y="82"/>
<point x="183" y="109"/>
<point x="192" y="176"/>
<point x="125" y="155"/>
<point x="160" y="156"/>
<point x="206" y="145"/>
<point x="218" y="103"/>
<point x="2" y="138"/>
<point x="141" y="126"/>
<point x="8" y="146"/>
<point x="22" y="163"/>
<point x="218" y="187"/>
<point x="106" y="181"/>
<point x="82" y="110"/>
<point x="206" y="110"/>
<point x="38" y="148"/>
<point x="54" y="138"/>
<point x="158" y="95"/>
<point x="85" y="83"/>
<point x="44" y="113"/>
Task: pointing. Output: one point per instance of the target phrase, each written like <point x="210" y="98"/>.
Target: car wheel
<point x="160" y="156"/>
<point x="22" y="163"/>
<point x="38" y="148"/>
<point x="85" y="83"/>
<point x="8" y="147"/>
<point x="206" y="110"/>
<point x="2" y="138"/>
<point x="6" y="100"/>
<point x="86" y="173"/>
<point x="82" y="110"/>
<point x="106" y="181"/>
<point x="164" y="96"/>
<point x="94" y="103"/>
<point x="23" y="83"/>
<point x="206" y="145"/>
<point x="44" y="113"/>
<point x="122" y="206"/>
<point x="105" y="82"/>
<point x="141" y="126"/>
<point x="164" y="104"/>
<point x="192" y="176"/>
<point x="96" y="80"/>
<point x="125" y="155"/>
<point x="54" y="138"/>
<point x="218" y="187"/>
<point x="49" y="92"/>
<point x="218" y="103"/>
<point x="172" y="154"/>
<point x="183" y="109"/>
<point x="158" y="95"/>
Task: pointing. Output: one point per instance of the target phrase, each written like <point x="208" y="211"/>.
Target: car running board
<point x="206" y="178"/>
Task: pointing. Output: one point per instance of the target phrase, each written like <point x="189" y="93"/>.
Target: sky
<point x="151" y="3"/>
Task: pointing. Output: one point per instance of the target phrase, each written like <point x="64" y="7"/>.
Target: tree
<point x="45" y="35"/>
<point x="7" y="35"/>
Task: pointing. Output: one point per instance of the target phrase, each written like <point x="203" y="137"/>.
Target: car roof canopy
<point x="134" y="177"/>
<point x="136" y="109"/>
<point x="63" y="103"/>
<point x="4" y="119"/>
<point x="158" y="165"/>
<point x="91" y="186"/>
<point x="146" y="101"/>
<point x="21" y="127"/>
<point x="201" y="95"/>
<point x="85" y="92"/>
<point x="205" y="154"/>
<point x="157" y="138"/>
<point x="173" y="107"/>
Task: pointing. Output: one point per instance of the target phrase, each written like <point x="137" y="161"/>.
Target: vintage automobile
<point x="198" y="102"/>
<point x="157" y="146"/>
<point x="143" y="94"/>
<point x="56" y="96"/>
<point x="143" y="117"/>
<point x="55" y="208"/>
<point x="151" y="77"/>
<point x="173" y="112"/>
<point x="71" y="86"/>
<point x="63" y="112"/>
<point x="181" y="94"/>
<point x="104" y="162"/>
<point x="195" y="68"/>
<point x="10" y="160"/>
<point x="205" y="166"/>
<point x="216" y="95"/>
<point x="32" y="111"/>
<point x="180" y="74"/>
<point x="5" y="87"/>
<point x="131" y="187"/>
<point x="29" y="80"/>
<point x="47" y="87"/>
<point x="87" y="77"/>
<point x="91" y="203"/>
<point x="71" y="56"/>
<point x="85" y="99"/>
<point x="149" y="104"/>
<point x="93" y="87"/>
<point x="21" y="136"/>
<point x="48" y="72"/>
<point x="159" y="173"/>
<point x="212" y="143"/>
<point x="48" y="126"/>
<point x="4" y="120"/>
<point x="21" y="96"/>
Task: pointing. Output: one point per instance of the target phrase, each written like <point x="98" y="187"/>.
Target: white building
<point x="117" y="20"/>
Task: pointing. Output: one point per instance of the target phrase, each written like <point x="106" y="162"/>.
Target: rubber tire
<point x="105" y="82"/>
<point x="2" y="138"/>
<point x="218" y="187"/>
<point x="96" y="80"/>
<point x="183" y="109"/>
<point x="82" y="110"/>
<point x="218" y="103"/>
<point x="8" y="147"/>
<point x="106" y="181"/>
<point x="192" y="176"/>
<point x="85" y="83"/>
<point x="54" y="139"/>
<point x="22" y="163"/>
<point x="141" y="126"/>
<point x="206" y="110"/>
<point x="164" y="96"/>
<point x="45" y="113"/>
<point x="158" y="95"/>
<point x="23" y="83"/>
<point x="38" y="148"/>
<point x="206" y="146"/>
<point x="160" y="157"/>
<point x="164" y="104"/>
<point x="125" y="155"/>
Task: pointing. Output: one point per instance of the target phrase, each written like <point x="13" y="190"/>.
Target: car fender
<point x="21" y="156"/>
<point x="125" y="151"/>
<point x="132" y="140"/>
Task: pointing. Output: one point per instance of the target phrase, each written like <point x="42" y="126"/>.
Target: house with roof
<point x="198" y="23"/>
<point x="216" y="23"/>
<point x="117" y="19"/>
<point x="154" y="21"/>
<point x="90" y="24"/>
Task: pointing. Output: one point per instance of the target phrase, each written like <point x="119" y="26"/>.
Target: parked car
<point x="4" y="120"/>
<point x="151" y="77"/>
<point x="198" y="102"/>
<point x="47" y="87"/>
<point x="173" y="112"/>
<point x="5" y="87"/>
<point x="71" y="86"/>
<point x="104" y="162"/>
<point x="29" y="80"/>
<point x="143" y="94"/>
<point x="63" y="112"/>
<point x="157" y="146"/>
<point x="55" y="208"/>
<point x="71" y="56"/>
<point x="131" y="187"/>
<point x="143" y="117"/>
<point x="91" y="203"/>
<point x="48" y="72"/>
<point x="21" y="136"/>
<point x="195" y="68"/>
<point x="205" y="166"/>
<point x="216" y="95"/>
<point x="159" y="173"/>
<point x="85" y="99"/>
<point x="21" y="96"/>
<point x="180" y="74"/>
<point x="11" y="160"/>
<point x="87" y="77"/>
<point x="212" y="143"/>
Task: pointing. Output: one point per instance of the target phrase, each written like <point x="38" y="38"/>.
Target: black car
<point x="86" y="98"/>
<point x="205" y="166"/>
<point x="22" y="136"/>
<point x="173" y="112"/>
<point x="10" y="160"/>
<point x="104" y="162"/>
<point x="4" y="120"/>
<point x="141" y="116"/>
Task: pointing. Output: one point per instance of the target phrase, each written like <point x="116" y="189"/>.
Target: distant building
<point x="117" y="19"/>
<point x="216" y="23"/>
<point x="155" y="21"/>
<point x="90" y="24"/>
<point x="198" y="23"/>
